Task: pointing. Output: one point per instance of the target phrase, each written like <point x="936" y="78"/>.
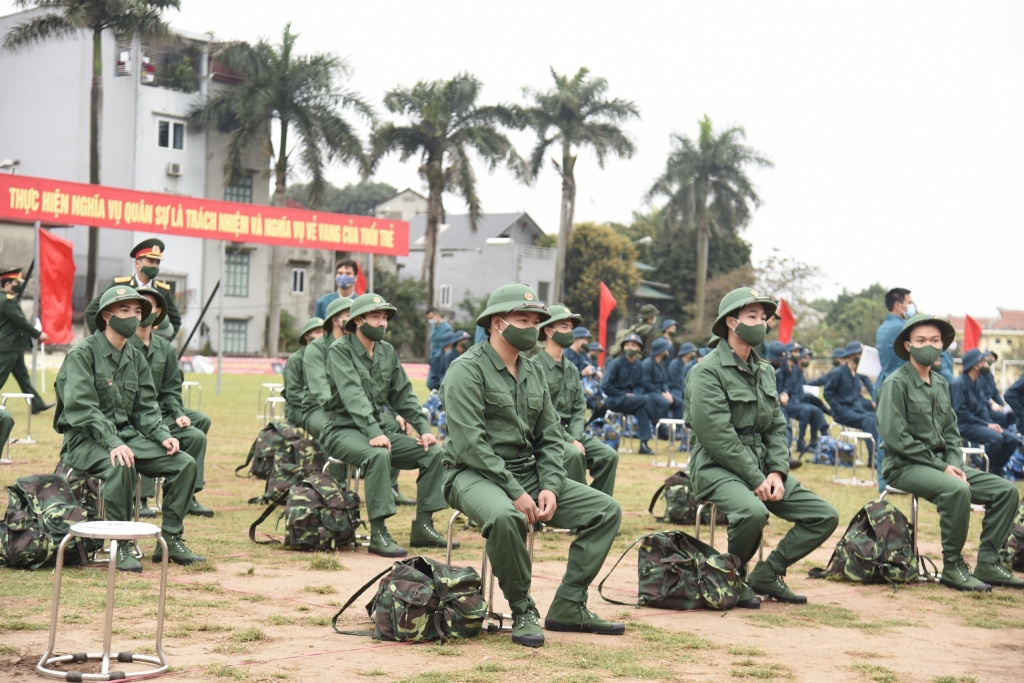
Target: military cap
<point x="667" y="324"/>
<point x="581" y="333"/>
<point x="648" y="311"/>
<point x="853" y="347"/>
<point x="776" y="351"/>
<point x="595" y="346"/>
<point x="116" y="295"/>
<point x="686" y="348"/>
<point x="971" y="358"/>
<point x="945" y="327"/>
<point x="342" y="303"/>
<point x="790" y="345"/>
<point x="990" y="352"/>
<point x="805" y="352"/>
<point x="660" y="346"/>
<point x="12" y="274"/>
<point x="734" y="301"/>
<point x="460" y="335"/>
<point x="368" y="303"/>
<point x="561" y="312"/>
<point x="839" y="352"/>
<point x="309" y="326"/>
<point x="509" y="298"/>
<point x="151" y="248"/>
<point x="632" y="337"/>
<point x="448" y="339"/>
<point x="160" y="301"/>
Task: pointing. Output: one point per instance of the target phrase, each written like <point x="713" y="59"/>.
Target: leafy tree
<point x="444" y="122"/>
<point x="574" y="114"/>
<point x="357" y="199"/>
<point x="67" y="19"/>
<point x="857" y="315"/>
<point x="405" y="332"/>
<point x="706" y="185"/>
<point x="598" y="254"/>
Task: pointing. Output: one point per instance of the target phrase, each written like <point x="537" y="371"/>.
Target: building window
<point x="170" y="134"/>
<point x="298" y="280"/>
<point x="239" y="191"/>
<point x="236" y="274"/>
<point x="445" y="296"/>
<point x="235" y="336"/>
<point x="543" y="289"/>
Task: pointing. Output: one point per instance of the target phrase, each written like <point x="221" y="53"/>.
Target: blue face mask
<point x="911" y="311"/>
<point x="344" y="281"/>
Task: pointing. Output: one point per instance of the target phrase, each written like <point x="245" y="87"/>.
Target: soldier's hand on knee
<point x="578" y="445"/>
<point x="525" y="505"/>
<point x="122" y="455"/>
<point x="171" y="445"/>
<point x="183" y="421"/>
<point x="381" y="442"/>
<point x="776" y="487"/>
<point x="956" y="472"/>
<point x="763" y="491"/>
<point x="426" y="440"/>
<point x="547" y="504"/>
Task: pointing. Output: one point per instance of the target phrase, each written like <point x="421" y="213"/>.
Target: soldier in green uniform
<point x="740" y="455"/>
<point x="188" y="426"/>
<point x="294" y="372"/>
<point x="107" y="411"/>
<point x="582" y="451"/>
<point x="16" y="335"/>
<point x="366" y="375"/>
<point x="318" y="388"/>
<point x="922" y="456"/>
<point x="503" y="469"/>
<point x="147" y="255"/>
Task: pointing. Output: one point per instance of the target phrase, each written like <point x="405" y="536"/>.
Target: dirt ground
<point x="261" y="613"/>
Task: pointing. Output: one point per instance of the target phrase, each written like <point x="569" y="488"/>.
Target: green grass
<point x="827" y="615"/>
<point x="955" y="679"/>
<point x="200" y="567"/>
<point x="324" y="562"/>
<point x="877" y="673"/>
<point x="321" y="589"/>
<point x="248" y="635"/>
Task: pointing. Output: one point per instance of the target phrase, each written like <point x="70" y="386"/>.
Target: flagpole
<point x="35" y="308"/>
<point x="220" y="307"/>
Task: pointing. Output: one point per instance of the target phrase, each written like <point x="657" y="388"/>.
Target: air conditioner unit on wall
<point x="174" y="169"/>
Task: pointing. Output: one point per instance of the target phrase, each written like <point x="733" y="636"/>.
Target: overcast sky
<point x="895" y="128"/>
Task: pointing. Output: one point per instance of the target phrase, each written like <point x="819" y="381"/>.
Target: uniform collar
<point x="108" y="350"/>
<point x="499" y="364"/>
<point x="728" y="357"/>
<point x="916" y="378"/>
<point x="547" y="360"/>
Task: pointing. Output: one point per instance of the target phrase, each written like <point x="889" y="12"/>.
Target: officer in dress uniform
<point x="147" y="254"/>
<point x="16" y="335"/>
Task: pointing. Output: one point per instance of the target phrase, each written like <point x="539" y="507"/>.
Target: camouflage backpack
<point x="300" y="459"/>
<point x="319" y="515"/>
<point x="680" y="505"/>
<point x="84" y="488"/>
<point x="40" y="510"/>
<point x="275" y="437"/>
<point x="676" y="571"/>
<point x="1013" y="551"/>
<point x="420" y="599"/>
<point x="878" y="547"/>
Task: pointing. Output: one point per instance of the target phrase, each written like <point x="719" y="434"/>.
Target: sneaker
<point x="526" y="628"/>
<point x="426" y="536"/>
<point x="997" y="575"/>
<point x="645" y="449"/>
<point x="146" y="512"/>
<point x="382" y="544"/>
<point x="764" y="581"/>
<point x="126" y="561"/>
<point x="567" y="615"/>
<point x="177" y="551"/>
<point x="958" y="575"/>
<point x="400" y="499"/>
<point x="195" y="508"/>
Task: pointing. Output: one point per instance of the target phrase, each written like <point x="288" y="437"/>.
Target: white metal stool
<point x="28" y="426"/>
<point x="186" y="394"/>
<point x="115" y="532"/>
<point x="970" y="451"/>
<point x="270" y="408"/>
<point x="492" y="616"/>
<point x="922" y="573"/>
<point x="671" y="424"/>
<point x="101" y="507"/>
<point x="857" y="438"/>
<point x="609" y="418"/>
<point x="713" y="512"/>
<point x="271" y="388"/>
<point x="158" y="494"/>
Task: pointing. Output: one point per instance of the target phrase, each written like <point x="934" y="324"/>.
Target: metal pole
<point x="369" y="284"/>
<point x="220" y="322"/>
<point x="35" y="311"/>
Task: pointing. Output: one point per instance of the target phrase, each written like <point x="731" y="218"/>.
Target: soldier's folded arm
<point x="346" y="379"/>
<point x="713" y="425"/>
<point x="169" y="391"/>
<point x="146" y="413"/>
<point x="894" y="430"/>
<point x="82" y="403"/>
<point x="579" y="413"/>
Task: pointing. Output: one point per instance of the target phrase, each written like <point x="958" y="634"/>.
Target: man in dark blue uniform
<point x="678" y="367"/>
<point x="623" y="386"/>
<point x="1001" y="415"/>
<point x="843" y="393"/>
<point x="577" y="353"/>
<point x="434" y="375"/>
<point x="1015" y="399"/>
<point x="972" y="415"/>
<point x="801" y="406"/>
<point x="656" y="380"/>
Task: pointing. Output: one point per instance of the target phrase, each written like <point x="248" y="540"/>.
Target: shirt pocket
<point x="106" y="395"/>
<point x="129" y="395"/>
<point x="497" y="405"/>
<point x="742" y="405"/>
<point x="534" y="406"/>
<point x="919" y="416"/>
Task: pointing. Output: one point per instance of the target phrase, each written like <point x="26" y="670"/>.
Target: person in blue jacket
<point x="440" y="330"/>
<point x="901" y="308"/>
<point x="594" y="351"/>
<point x="678" y="367"/>
<point x="435" y="374"/>
<point x="656" y="381"/>
<point x="802" y="405"/>
<point x="946" y="367"/>
<point x="623" y="387"/>
<point x="990" y="392"/>
<point x="668" y="328"/>
<point x="1015" y="399"/>
<point x="460" y="342"/>
<point x="843" y="393"/>
<point x="345" y="273"/>
<point x="972" y="414"/>
<point x="577" y="354"/>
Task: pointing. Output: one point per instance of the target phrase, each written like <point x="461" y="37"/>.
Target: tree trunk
<point x="703" y="237"/>
<point x="565" y="222"/>
<point x="280" y="188"/>
<point x="95" y="122"/>
<point x="429" y="274"/>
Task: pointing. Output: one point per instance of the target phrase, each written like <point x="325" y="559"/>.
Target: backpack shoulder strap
<point x="263" y="517"/>
<point x="355" y="596"/>
<point x="654" y="500"/>
<point x="600" y="586"/>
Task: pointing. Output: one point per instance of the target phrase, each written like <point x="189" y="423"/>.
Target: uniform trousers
<point x="646" y="407"/>
<point x="808" y="416"/>
<point x="14" y="363"/>
<point x="314" y="424"/>
<point x="600" y="459"/>
<point x="192" y="440"/>
<point x="6" y="426"/>
<point x="998" y="446"/>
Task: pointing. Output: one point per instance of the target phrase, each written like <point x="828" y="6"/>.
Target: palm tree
<point x="302" y="93"/>
<point x="444" y="122"/>
<point x="706" y="183"/>
<point x="574" y="114"/>
<point x="67" y="19"/>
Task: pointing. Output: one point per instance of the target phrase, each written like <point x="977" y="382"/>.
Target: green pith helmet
<point x="560" y="312"/>
<point x="309" y="326"/>
<point x="512" y="297"/>
<point x="161" y="302"/>
<point x="945" y="327"/>
<point x="734" y="301"/>
<point x="342" y="303"/>
<point x="118" y="294"/>
<point x="368" y="303"/>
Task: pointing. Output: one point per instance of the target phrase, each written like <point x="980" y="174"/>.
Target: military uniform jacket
<point x="916" y="422"/>
<point x="971" y="409"/>
<point x="16" y="332"/>
<point x="622" y="377"/>
<point x="317" y="387"/>
<point x="294" y="384"/>
<point x="655" y="376"/>
<point x="677" y="376"/>
<point x="739" y="431"/>
<point x="986" y="385"/>
<point x="107" y="395"/>
<point x="566" y="391"/>
<point x="133" y="281"/>
<point x="843" y="391"/>
<point x="501" y="427"/>
<point x="580" y="360"/>
<point x="367" y="385"/>
<point x="167" y="377"/>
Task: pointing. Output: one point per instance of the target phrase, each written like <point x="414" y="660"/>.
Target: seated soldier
<point x="189" y="427"/>
<point x="461" y="341"/>
<point x="680" y="365"/>
<point x="623" y="387"/>
<point x="504" y="471"/>
<point x="594" y="351"/>
<point x="923" y="457"/>
<point x="317" y="390"/>
<point x="294" y="392"/>
<point x="656" y="381"/>
<point x="577" y="353"/>
<point x="739" y="455"/>
<point x="972" y="414"/>
<point x="1000" y="413"/>
<point x="1015" y="399"/>
<point x="107" y="411"/>
<point x="437" y="359"/>
<point x="668" y="328"/>
<point x="843" y="393"/>
<point x="582" y="451"/>
<point x="357" y="434"/>
<point x="806" y="409"/>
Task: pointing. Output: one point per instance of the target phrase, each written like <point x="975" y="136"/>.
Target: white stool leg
<point x="58" y="573"/>
<point x="162" y="604"/>
<point x="108" y="621"/>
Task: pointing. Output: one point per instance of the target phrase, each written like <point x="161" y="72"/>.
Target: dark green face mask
<point x="985" y="370"/>
<point x="520" y="338"/>
<point x="631" y="353"/>
<point x="148" y="320"/>
<point x="805" y="363"/>
<point x="564" y="339"/>
<point x="751" y="334"/>
<point x="150" y="271"/>
<point x="18" y="287"/>
<point x="925" y="355"/>
<point x="372" y="333"/>
<point x="124" y="326"/>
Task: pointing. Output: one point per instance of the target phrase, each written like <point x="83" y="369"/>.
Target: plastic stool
<point x="922" y="573"/>
<point x="186" y="394"/>
<point x="115" y="532"/>
<point x="856" y="438"/>
<point x="611" y="415"/>
<point x="713" y="512"/>
<point x="492" y="616"/>
<point x="271" y="388"/>
<point x="28" y="427"/>
<point x="670" y="459"/>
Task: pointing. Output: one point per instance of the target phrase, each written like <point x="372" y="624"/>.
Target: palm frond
<point x="39" y="29"/>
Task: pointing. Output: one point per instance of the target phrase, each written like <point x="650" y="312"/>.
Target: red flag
<point x="972" y="333"/>
<point x="56" y="270"/>
<point x="786" y="322"/>
<point x="606" y="306"/>
<point x="360" y="284"/>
